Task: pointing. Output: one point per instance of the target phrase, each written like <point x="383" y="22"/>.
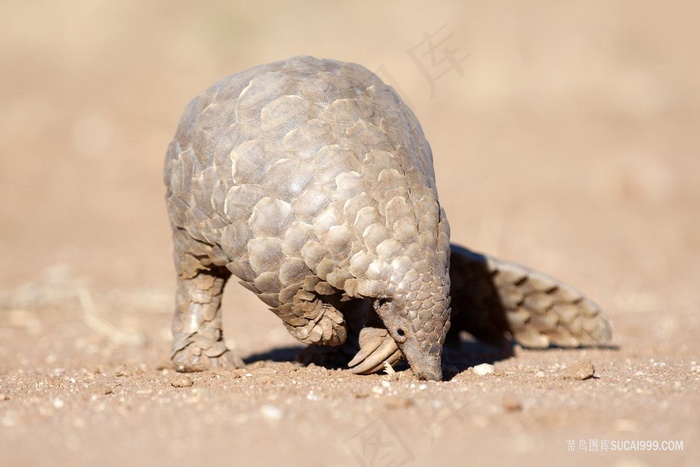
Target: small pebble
<point x="4" y="397"/>
<point x="58" y="403"/>
<point x="164" y="367"/>
<point x="121" y="371"/>
<point x="182" y="382"/>
<point x="101" y="389"/>
<point x="483" y="369"/>
<point x="580" y="371"/>
<point x="270" y="412"/>
<point x="398" y="402"/>
<point x="8" y="419"/>
<point x="288" y="366"/>
<point x="511" y="404"/>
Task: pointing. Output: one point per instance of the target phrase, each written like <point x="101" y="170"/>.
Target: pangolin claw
<point x="377" y="347"/>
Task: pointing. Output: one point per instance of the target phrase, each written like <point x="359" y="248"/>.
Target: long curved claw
<point x="377" y="347"/>
<point x="369" y="342"/>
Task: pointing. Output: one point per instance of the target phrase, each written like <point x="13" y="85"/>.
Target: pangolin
<point x="312" y="182"/>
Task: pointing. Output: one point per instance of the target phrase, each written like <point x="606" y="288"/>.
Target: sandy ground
<point x="566" y="138"/>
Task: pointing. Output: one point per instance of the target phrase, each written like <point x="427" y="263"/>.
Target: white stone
<point x="270" y="412"/>
<point x="483" y="369"/>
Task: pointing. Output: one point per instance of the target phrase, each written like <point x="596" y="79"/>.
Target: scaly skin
<point x="494" y="299"/>
<point x="312" y="183"/>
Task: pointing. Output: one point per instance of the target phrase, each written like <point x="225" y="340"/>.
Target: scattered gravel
<point x="182" y="381"/>
<point x="580" y="371"/>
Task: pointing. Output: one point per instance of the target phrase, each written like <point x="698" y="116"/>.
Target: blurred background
<point x="565" y="137"/>
<point x="565" y="134"/>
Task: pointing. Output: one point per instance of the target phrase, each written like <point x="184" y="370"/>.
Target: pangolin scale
<point x="312" y="182"/>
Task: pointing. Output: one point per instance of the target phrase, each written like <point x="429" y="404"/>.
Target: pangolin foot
<point x="377" y="348"/>
<point x="192" y="356"/>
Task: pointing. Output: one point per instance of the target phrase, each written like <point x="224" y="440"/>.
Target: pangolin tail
<point x="494" y="299"/>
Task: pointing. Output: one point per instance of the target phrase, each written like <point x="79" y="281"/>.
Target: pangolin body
<point x="311" y="182"/>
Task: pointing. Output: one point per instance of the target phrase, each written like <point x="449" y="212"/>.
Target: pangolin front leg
<point x="198" y="342"/>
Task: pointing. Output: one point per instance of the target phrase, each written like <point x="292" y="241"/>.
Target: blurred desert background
<point x="565" y="137"/>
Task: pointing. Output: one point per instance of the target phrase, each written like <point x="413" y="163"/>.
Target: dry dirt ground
<point x="566" y="138"/>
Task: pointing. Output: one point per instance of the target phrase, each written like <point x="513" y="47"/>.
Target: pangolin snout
<point x="427" y="367"/>
<point x="422" y="349"/>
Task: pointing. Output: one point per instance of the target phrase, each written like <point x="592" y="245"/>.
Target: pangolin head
<point x="418" y="322"/>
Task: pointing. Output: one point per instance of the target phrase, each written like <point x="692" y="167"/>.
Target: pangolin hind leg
<point x="198" y="341"/>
